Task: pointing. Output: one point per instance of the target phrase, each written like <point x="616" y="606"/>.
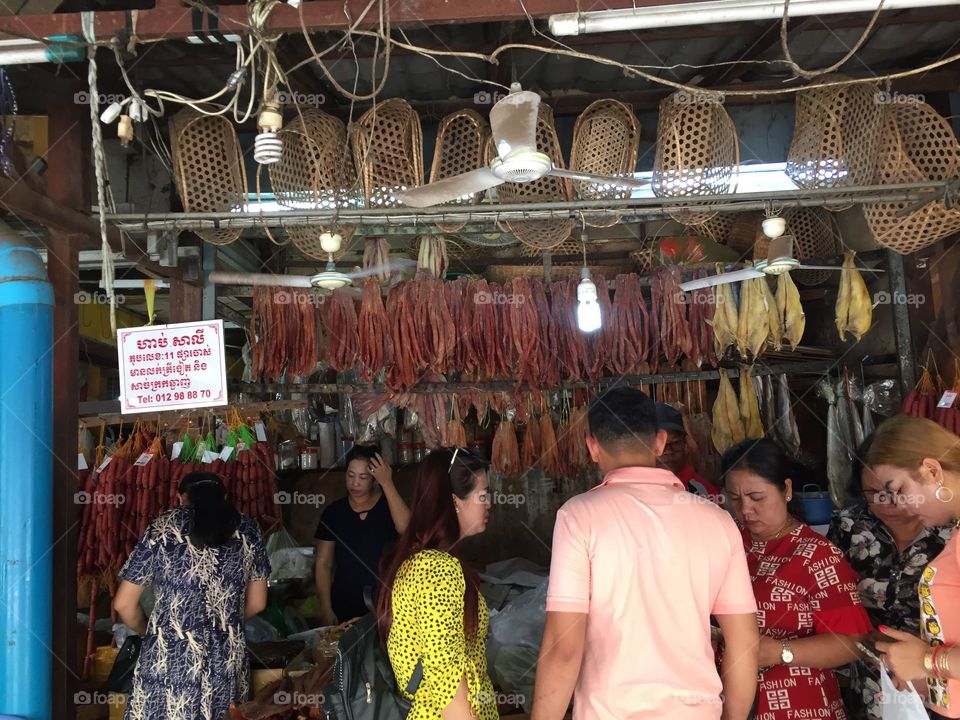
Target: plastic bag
<point x="900" y="704"/>
<point x="259" y="630"/>
<point x="515" y="669"/>
<point x="521" y="621"/>
<point x="882" y="397"/>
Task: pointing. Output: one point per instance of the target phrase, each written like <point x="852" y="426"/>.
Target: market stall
<point x="315" y="230"/>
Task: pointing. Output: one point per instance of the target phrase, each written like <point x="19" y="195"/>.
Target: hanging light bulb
<point x="588" y="309"/>
<point x="267" y="146"/>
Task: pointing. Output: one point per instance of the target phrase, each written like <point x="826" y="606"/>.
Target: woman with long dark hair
<point x="431" y="611"/>
<point x="208" y="568"/>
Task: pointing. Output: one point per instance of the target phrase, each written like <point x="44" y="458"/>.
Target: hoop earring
<point x="947" y="493"/>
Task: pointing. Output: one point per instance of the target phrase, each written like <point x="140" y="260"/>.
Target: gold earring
<point x="947" y="492"/>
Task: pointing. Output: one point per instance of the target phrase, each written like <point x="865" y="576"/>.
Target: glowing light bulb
<point x="589" y="318"/>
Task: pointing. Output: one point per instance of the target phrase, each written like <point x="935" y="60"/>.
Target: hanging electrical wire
<point x="100" y="167"/>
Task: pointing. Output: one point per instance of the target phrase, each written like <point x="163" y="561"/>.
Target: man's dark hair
<point x="362" y="452"/>
<point x="623" y="415"/>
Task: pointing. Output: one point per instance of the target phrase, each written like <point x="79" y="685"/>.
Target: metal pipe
<point x="261" y="279"/>
<point x="26" y="480"/>
<point x="653" y="207"/>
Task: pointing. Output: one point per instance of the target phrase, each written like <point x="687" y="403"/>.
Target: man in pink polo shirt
<point x="639" y="565"/>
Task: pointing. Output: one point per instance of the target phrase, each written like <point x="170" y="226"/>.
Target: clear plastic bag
<point x="521" y="621"/>
<point x="900" y="704"/>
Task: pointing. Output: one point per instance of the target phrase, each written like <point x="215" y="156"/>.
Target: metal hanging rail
<point x="631" y="208"/>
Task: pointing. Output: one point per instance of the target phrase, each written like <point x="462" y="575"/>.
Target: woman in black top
<point x="352" y="534"/>
<point x="888" y="548"/>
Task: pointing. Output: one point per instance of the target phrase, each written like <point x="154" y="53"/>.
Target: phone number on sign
<point x="175" y="396"/>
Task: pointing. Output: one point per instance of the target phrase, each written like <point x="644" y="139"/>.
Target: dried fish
<point x="838" y="470"/>
<point x="786" y="423"/>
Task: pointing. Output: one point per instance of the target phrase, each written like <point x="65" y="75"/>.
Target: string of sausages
<point x="522" y="330"/>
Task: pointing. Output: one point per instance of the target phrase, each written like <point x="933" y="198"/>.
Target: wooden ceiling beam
<point x="171" y="20"/>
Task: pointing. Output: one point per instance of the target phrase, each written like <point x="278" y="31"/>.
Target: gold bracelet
<point x="928" y="661"/>
<point x="943" y="663"/>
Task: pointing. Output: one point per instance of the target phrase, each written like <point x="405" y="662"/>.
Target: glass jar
<point x="308" y="458"/>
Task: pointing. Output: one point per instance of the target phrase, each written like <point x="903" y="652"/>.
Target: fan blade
<point x="781" y="247"/>
<point x="513" y="122"/>
<point x="722" y="279"/>
<point x="395" y="264"/>
<point x="451" y="188"/>
<point x="264" y="279"/>
<point x="600" y="179"/>
<point x="837" y="267"/>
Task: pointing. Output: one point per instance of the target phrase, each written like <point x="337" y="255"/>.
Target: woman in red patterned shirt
<point x="809" y="610"/>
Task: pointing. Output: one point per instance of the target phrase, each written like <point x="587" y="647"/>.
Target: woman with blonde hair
<point x="919" y="461"/>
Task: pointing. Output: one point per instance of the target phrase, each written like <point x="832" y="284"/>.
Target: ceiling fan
<point x="513" y="122"/>
<point x="329" y="279"/>
<point x="779" y="260"/>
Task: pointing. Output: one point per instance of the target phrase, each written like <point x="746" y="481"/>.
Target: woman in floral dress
<point x="208" y="568"/>
<point x="888" y="548"/>
<point x="809" y="612"/>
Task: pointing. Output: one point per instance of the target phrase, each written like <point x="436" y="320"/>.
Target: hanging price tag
<point x="209" y="456"/>
<point x="143" y="459"/>
<point x="81" y="462"/>
<point x="260" y="431"/>
<point x="226" y="453"/>
<point x="947" y="399"/>
<point x="177" y="449"/>
<point x="103" y="466"/>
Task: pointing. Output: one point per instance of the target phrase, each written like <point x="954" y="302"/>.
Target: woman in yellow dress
<point x="432" y="612"/>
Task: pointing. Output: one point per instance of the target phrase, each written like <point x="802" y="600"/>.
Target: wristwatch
<point x="786" y="654"/>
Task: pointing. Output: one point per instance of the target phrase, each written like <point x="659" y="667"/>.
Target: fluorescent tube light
<point x="717" y="11"/>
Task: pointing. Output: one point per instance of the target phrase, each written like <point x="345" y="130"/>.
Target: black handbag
<point x="120" y="679"/>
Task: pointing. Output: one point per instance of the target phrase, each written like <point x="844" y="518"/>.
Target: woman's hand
<point x="381" y="472"/>
<point x="327" y="618"/>
<point x="771" y="651"/>
<point x="903" y="653"/>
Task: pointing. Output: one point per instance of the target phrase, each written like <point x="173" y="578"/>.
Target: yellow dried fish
<point x="724" y="321"/>
<point x="728" y="428"/>
<point x="855" y="306"/>
<point x="790" y="310"/>
<point x="773" y="316"/>
<point x="753" y="327"/>
<point x="749" y="406"/>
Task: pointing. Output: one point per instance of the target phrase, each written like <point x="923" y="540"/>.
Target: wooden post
<point x="69" y="164"/>
<point x="186" y="302"/>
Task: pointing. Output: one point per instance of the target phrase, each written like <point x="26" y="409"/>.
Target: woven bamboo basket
<point x="388" y="151"/>
<point x="606" y="139"/>
<point x="316" y="170"/>
<point x="745" y="232"/>
<point x="719" y="228"/>
<point x="815" y="234"/>
<point x="644" y="259"/>
<point x="916" y="145"/>
<point x="208" y="168"/>
<point x="697" y="152"/>
<point x="460" y="148"/>
<point x="567" y="247"/>
<point x="541" y="234"/>
<point x="835" y="137"/>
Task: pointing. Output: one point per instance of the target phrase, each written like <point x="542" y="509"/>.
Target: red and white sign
<point x="172" y="367"/>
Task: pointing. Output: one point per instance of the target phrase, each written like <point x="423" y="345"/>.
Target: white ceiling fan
<point x="329" y="279"/>
<point x="513" y="122"/>
<point x="779" y="260"/>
